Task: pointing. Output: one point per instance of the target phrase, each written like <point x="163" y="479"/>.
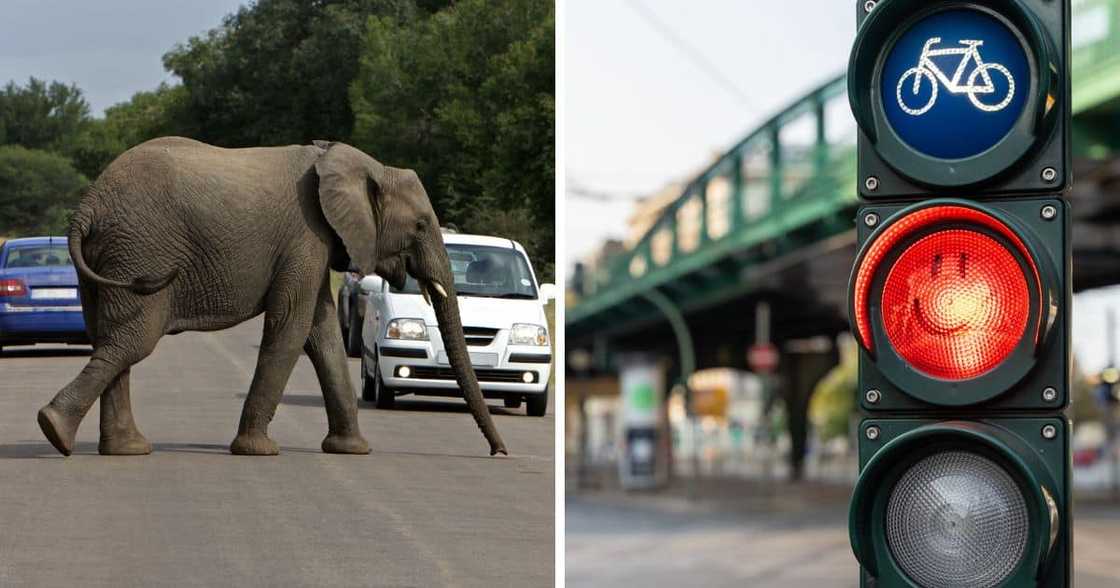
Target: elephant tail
<point x="143" y="285"/>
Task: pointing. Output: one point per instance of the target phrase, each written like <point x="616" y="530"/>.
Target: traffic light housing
<point x="960" y="294"/>
<point x="998" y="126"/>
<point x="1019" y="364"/>
<point x="1012" y="473"/>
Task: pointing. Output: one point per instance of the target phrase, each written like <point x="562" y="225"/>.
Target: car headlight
<point x="407" y="329"/>
<point x="523" y="334"/>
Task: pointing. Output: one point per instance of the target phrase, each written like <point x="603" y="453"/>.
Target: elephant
<point x="178" y="235"/>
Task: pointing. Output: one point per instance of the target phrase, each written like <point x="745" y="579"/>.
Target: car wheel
<point x="354" y="336"/>
<point x="513" y="401"/>
<point x="386" y="397"/>
<point x="369" y="385"/>
<point x="536" y="404"/>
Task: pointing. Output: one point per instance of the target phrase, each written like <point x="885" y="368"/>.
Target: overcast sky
<point x="641" y="110"/>
<point x="109" y="48"/>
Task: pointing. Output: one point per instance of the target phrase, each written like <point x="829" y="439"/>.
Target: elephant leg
<point x="113" y="354"/>
<point x="287" y="321"/>
<point x="119" y="435"/>
<point x="60" y="418"/>
<point x="324" y="347"/>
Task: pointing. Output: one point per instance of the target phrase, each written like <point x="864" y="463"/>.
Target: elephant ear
<point x="349" y="181"/>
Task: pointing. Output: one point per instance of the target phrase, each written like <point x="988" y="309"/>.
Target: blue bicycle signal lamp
<point x="954" y="95"/>
<point x="954" y="84"/>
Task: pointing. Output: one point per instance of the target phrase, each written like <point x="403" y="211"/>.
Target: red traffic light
<point x="955" y="289"/>
<point x="955" y="304"/>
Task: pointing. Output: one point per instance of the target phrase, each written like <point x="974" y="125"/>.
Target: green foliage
<point x="41" y="115"/>
<point x="92" y="149"/>
<point x="466" y="98"/>
<point x="37" y="191"/>
<point x="147" y="115"/>
<point x="277" y="71"/>
<point x="834" y="397"/>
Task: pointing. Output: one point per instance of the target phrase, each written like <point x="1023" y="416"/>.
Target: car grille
<point x="479" y="336"/>
<point x="483" y="375"/>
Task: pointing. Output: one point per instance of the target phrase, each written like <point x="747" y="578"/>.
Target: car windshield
<point x="38" y="256"/>
<point x="480" y="270"/>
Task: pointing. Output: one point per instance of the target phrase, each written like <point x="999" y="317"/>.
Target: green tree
<point x="41" y="115"/>
<point x="277" y="71"/>
<point x="38" y="190"/>
<point x="466" y="97"/>
<point x="147" y="115"/>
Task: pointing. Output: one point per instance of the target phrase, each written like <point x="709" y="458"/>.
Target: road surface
<point x="737" y="534"/>
<point x="427" y="508"/>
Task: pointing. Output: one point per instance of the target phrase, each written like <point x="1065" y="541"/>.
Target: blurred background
<point x="710" y="196"/>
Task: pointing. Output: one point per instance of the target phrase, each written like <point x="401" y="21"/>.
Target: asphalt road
<point x="759" y="535"/>
<point x="427" y="508"/>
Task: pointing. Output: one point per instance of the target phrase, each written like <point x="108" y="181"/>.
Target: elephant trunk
<point x="446" y="306"/>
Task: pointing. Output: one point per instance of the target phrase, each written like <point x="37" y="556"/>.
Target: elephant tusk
<point x="439" y="289"/>
<point x="424" y="292"/>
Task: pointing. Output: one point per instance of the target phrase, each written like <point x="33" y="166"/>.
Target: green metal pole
<point x="685" y="348"/>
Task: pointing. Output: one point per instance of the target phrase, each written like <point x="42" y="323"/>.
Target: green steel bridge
<point x="759" y="246"/>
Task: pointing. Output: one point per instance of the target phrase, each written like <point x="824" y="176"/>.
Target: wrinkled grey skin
<point x="177" y="235"/>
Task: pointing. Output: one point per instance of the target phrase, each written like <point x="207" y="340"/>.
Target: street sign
<point x="763" y="358"/>
<point x="959" y="297"/>
<point x="952" y="95"/>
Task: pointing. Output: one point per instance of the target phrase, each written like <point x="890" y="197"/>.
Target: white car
<point x="502" y="310"/>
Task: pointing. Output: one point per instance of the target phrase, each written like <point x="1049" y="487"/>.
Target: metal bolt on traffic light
<point x="960" y="293"/>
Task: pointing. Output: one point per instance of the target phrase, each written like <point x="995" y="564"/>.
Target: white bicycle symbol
<point x="928" y="70"/>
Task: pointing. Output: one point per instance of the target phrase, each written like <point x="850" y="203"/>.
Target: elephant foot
<point x="59" y="428"/>
<point x="340" y="443"/>
<point x="254" y="444"/>
<point x="130" y="444"/>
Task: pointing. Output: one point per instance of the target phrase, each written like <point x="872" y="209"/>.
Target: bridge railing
<point x="805" y="152"/>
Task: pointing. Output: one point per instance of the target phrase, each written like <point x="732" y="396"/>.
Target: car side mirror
<point x="370" y="284"/>
<point x="547" y="292"/>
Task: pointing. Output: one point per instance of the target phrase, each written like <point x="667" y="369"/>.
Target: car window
<point x="481" y="270"/>
<point x="38" y="256"/>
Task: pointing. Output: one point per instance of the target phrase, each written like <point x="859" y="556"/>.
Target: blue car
<point x="39" y="293"/>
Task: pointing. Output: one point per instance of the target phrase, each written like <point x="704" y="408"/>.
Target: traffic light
<point x="960" y="293"/>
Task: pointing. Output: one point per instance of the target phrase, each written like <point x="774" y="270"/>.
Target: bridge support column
<point x="800" y="373"/>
